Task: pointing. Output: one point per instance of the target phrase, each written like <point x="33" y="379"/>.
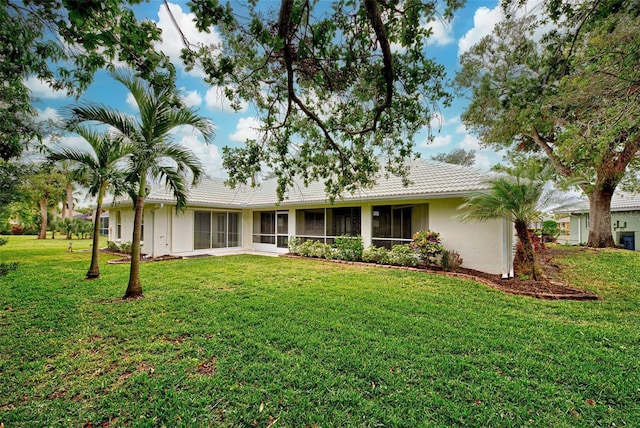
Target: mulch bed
<point x="549" y="288"/>
<point x="127" y="259"/>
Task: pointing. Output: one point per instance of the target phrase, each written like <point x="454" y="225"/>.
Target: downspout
<point x="507" y="249"/>
<point x="580" y="229"/>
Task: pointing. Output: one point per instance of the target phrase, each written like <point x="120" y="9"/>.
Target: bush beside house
<point x="424" y="250"/>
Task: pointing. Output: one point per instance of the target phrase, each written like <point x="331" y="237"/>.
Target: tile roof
<point x="621" y="201"/>
<point x="427" y="179"/>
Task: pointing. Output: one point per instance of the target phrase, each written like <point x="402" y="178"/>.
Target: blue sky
<point x="232" y="128"/>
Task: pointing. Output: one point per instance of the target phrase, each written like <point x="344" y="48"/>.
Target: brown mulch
<point x="127" y="259"/>
<point x="550" y="287"/>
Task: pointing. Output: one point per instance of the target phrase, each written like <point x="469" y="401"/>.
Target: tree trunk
<point x="529" y="255"/>
<point x="134" y="289"/>
<point x="600" y="235"/>
<point x="70" y="199"/>
<point x="43" y="219"/>
<point x="94" y="268"/>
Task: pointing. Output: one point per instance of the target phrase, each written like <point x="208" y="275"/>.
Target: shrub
<point x="375" y="254"/>
<point x="304" y="249"/>
<point x="125" y="247"/>
<point x="112" y="246"/>
<point x="17" y="229"/>
<point x="348" y="248"/>
<point x="403" y="255"/>
<point x="320" y="250"/>
<point x="294" y="245"/>
<point x="429" y="246"/>
<point x="451" y="260"/>
<point x="550" y="231"/>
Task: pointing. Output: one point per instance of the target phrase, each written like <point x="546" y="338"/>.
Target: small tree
<point x="99" y="167"/>
<point x="513" y="198"/>
<point x="153" y="155"/>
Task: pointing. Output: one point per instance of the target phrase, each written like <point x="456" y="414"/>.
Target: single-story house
<point x="221" y="220"/>
<point x="625" y="221"/>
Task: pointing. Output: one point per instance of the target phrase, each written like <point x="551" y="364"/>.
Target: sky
<point x="448" y="42"/>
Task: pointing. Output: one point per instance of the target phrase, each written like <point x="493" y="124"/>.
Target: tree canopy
<point x="458" y="156"/>
<point x="571" y="94"/>
<point x="337" y="86"/>
<point x="64" y="43"/>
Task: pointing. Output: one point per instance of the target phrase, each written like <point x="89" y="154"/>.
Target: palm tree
<point x="154" y="156"/>
<point x="516" y="199"/>
<point x="99" y="167"/>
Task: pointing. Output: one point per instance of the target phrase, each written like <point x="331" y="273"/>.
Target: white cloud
<point x="437" y="141"/>
<point x="172" y="42"/>
<point x="216" y="100"/>
<point x="470" y="142"/>
<point x="484" y="20"/>
<point x="441" y="32"/>
<point x="438" y="120"/>
<point x="49" y="113"/>
<point x="209" y="154"/>
<point x="246" y="128"/>
<point x="461" y="129"/>
<point x="131" y="102"/>
<point x="191" y="98"/>
<point x="40" y="89"/>
<point x="482" y="161"/>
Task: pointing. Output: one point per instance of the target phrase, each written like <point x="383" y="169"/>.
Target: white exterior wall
<point x="127" y="214"/>
<point x="480" y="244"/>
<point x="366" y="226"/>
<point x="182" y="231"/>
<point x="247" y="229"/>
<point x="159" y="218"/>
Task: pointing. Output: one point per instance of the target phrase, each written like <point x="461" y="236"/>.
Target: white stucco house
<point x="221" y="220"/>
<point x="625" y="221"/>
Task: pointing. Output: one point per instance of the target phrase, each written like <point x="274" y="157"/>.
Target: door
<point x="282" y="230"/>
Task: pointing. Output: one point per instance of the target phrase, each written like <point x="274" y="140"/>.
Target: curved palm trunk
<point x="134" y="289"/>
<point x="94" y="268"/>
<point x="43" y="219"/>
<point x="529" y="254"/>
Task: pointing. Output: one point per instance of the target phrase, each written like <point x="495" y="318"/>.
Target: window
<point x="396" y="224"/>
<point x="324" y="224"/>
<point x="264" y="227"/>
<point x="215" y="229"/>
<point x="118" y="225"/>
<point x="201" y="230"/>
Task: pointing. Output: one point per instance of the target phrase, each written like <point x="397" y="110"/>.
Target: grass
<point x="257" y="341"/>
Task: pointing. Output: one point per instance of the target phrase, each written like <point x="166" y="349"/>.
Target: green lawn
<point x="259" y="341"/>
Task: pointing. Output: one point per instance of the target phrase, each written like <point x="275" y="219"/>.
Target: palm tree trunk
<point x="43" y="219"/>
<point x="94" y="268"/>
<point x="529" y="255"/>
<point x="134" y="289"/>
<point x="70" y="199"/>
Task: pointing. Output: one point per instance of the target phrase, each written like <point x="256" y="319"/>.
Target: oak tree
<point x="337" y="86"/>
<point x="571" y="94"/>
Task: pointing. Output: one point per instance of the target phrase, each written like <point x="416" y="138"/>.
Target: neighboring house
<point x="625" y="221"/>
<point x="104" y="223"/>
<point x="221" y="220"/>
<point x="564" y="229"/>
